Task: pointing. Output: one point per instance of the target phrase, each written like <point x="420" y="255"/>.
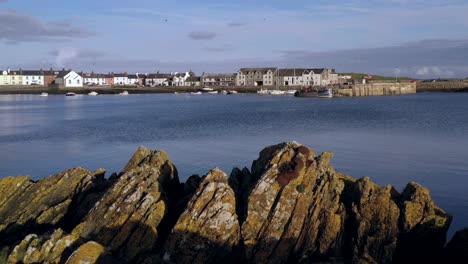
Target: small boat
<point x="291" y="91"/>
<point x="124" y="93"/>
<point x="93" y="93"/>
<point x="325" y="93"/>
<point x="232" y="92"/>
<point x="207" y="89"/>
<point x="277" y="92"/>
<point x="176" y="92"/>
<point x="224" y="92"/>
<point x="213" y="92"/>
<point x="262" y="91"/>
<point x="70" y="94"/>
<point x="44" y="94"/>
<point x="196" y="93"/>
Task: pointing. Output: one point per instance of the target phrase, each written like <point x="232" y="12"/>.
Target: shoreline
<point x="172" y="89"/>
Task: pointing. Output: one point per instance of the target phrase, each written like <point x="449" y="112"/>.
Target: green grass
<point x="355" y="75"/>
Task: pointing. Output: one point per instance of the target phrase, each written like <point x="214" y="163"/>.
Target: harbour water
<point x="392" y="139"/>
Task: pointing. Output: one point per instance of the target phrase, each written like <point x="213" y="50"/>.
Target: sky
<point x="414" y="38"/>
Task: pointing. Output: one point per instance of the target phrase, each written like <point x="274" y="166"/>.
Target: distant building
<point x="5" y="77"/>
<point x="256" y="76"/>
<point x="218" y="79"/>
<point x="16" y="77"/>
<point x="141" y="78"/>
<point x="193" y="81"/>
<point x="121" y="79"/>
<point x="297" y="77"/>
<point x="30" y="77"/>
<point x="328" y="76"/>
<point x="93" y="78"/>
<point x="69" y="79"/>
<point x="49" y="76"/>
<point x="178" y="79"/>
<point x="133" y="79"/>
<point x="109" y="78"/>
<point x="158" y="79"/>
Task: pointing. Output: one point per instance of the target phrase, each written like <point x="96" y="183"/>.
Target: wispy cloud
<point x="236" y="24"/>
<point x="64" y="56"/>
<point x="201" y="35"/>
<point x="17" y="28"/>
<point x="221" y="48"/>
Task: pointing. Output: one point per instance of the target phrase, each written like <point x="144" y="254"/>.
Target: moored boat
<point x="325" y="93"/>
<point x="277" y="92"/>
<point x="44" y="94"/>
<point x="93" y="93"/>
<point x="213" y="92"/>
<point x="224" y="92"/>
<point x="196" y="93"/>
<point x="263" y="91"/>
<point x="70" y="94"/>
<point x="207" y="89"/>
<point x="124" y="93"/>
<point x="291" y="91"/>
<point x="232" y="92"/>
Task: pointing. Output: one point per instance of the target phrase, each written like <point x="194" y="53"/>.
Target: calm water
<point x="392" y="139"/>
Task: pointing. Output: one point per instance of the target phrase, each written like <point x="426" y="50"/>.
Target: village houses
<point x="255" y="76"/>
<point x="32" y="77"/>
<point x="218" y="79"/>
<point x="93" y="78"/>
<point x="250" y="77"/>
<point x="69" y="79"/>
<point x="120" y="79"/>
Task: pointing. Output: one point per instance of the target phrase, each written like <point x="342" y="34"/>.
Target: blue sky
<point x="405" y="37"/>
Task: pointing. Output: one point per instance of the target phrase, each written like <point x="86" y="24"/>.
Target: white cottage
<point x="32" y="78"/>
<point x="69" y="79"/>
<point x="133" y="79"/>
<point x="93" y="78"/>
<point x="121" y="79"/>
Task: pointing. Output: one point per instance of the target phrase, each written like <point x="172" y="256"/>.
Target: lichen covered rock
<point x="291" y="207"/>
<point x="30" y="207"/>
<point x="208" y="230"/>
<point x="90" y="253"/>
<point x="294" y="210"/>
<point x="126" y="218"/>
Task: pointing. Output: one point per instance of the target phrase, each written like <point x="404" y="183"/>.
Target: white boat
<point x="93" y="93"/>
<point x="213" y="92"/>
<point x="263" y="91"/>
<point x="124" y="93"/>
<point x="325" y="93"/>
<point x="277" y="92"/>
<point x="44" y="94"/>
<point x="196" y="93"/>
<point x="224" y="92"/>
<point x="291" y="91"/>
<point x="232" y="92"/>
<point x="70" y="94"/>
<point x="207" y="89"/>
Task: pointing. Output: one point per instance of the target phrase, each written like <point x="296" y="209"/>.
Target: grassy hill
<point x="355" y="75"/>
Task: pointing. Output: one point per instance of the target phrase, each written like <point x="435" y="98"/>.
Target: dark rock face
<point x="292" y="207"/>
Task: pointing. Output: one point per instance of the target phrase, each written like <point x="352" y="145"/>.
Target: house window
<point x="69" y="81"/>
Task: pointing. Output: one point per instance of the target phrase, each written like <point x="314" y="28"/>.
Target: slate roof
<point x="193" y="79"/>
<point x="219" y="75"/>
<point x="32" y="73"/>
<point x="261" y="70"/>
<point x="63" y="74"/>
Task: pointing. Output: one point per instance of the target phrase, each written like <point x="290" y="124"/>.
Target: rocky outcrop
<point x="208" y="230"/>
<point x="35" y="207"/>
<point x="291" y="207"/>
<point x="126" y="218"/>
